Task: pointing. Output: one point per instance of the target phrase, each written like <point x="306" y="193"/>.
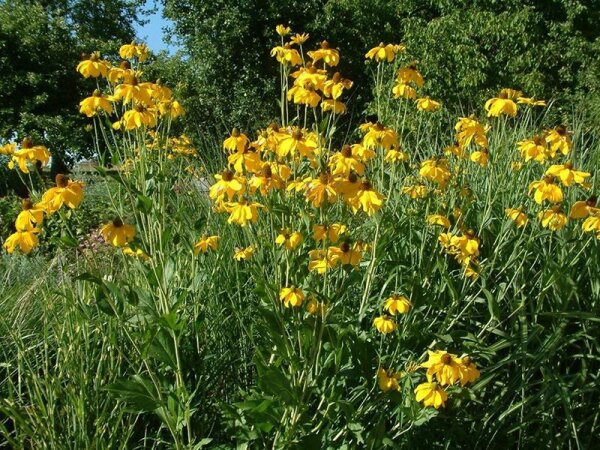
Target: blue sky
<point x="153" y="32"/>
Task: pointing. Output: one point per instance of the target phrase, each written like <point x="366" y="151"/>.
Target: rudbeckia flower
<point x="444" y="366"/>
<point x="93" y="66"/>
<point x="431" y="394"/>
<point x="481" y="157"/>
<point x="299" y="39"/>
<point x="321" y="190"/>
<point x="282" y="30"/>
<point x="582" y="209"/>
<point x="90" y="105"/>
<point x="117" y="233"/>
<point x="330" y="56"/>
<point x="138" y="253"/>
<point x="66" y="192"/>
<point x="348" y="254"/>
<point x="227" y="185"/>
<point x="437" y="219"/>
<point x="468" y="130"/>
<point x="435" y="169"/>
<point x="517" y="216"/>
<point x="500" y="105"/>
<point x="140" y="92"/>
<point x="243" y="253"/>
<point x="31" y="216"/>
<point x="592" y="223"/>
<point x="560" y="140"/>
<point x="298" y="141"/>
<point x="567" y="175"/>
<point x="310" y="77"/>
<point x="236" y="142"/>
<point x="248" y="159"/>
<point x="385" y="325"/>
<point x="331" y="232"/>
<point x="304" y="96"/>
<point x="124" y="72"/>
<point x="530" y="101"/>
<point x="287" y="55"/>
<point x="382" y="52"/>
<point x="334" y="106"/>
<point x="395" y="155"/>
<point x="321" y="261"/>
<point x="138" y="117"/>
<point x="291" y="296"/>
<point x="416" y="191"/>
<point x="366" y="198"/>
<point x="468" y="370"/>
<point x="170" y="108"/>
<point x="242" y="212"/>
<point x="427" y="104"/>
<point x="265" y="181"/>
<point x="313" y="307"/>
<point x="345" y="161"/>
<point x="380" y="136"/>
<point x="8" y="149"/>
<point x="534" y="148"/>
<point x="397" y="304"/>
<point x="546" y="189"/>
<point x="335" y="87"/>
<point x="24" y="240"/>
<point x="403" y="90"/>
<point x="205" y="243"/>
<point x="410" y="74"/>
<point x="388" y="380"/>
<point x="553" y="218"/>
<point x="133" y="50"/>
<point x="28" y="153"/>
<point x="289" y="239"/>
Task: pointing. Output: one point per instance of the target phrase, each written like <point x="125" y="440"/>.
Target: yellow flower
<point x="329" y="55"/>
<point x="437" y="219"/>
<point x="397" y="304"/>
<point x="331" y="232"/>
<point x="31" y="216"/>
<point x="428" y="105"/>
<point x="468" y="130"/>
<point x="546" y="189"/>
<point x="140" y="92"/>
<point x="517" y="216"/>
<point x="530" y="101"/>
<point x="287" y="55"/>
<point x="298" y="141"/>
<point x="90" y="106"/>
<point x="444" y="366"/>
<point x="383" y="52"/>
<point x="123" y="72"/>
<point x="304" y="96"/>
<point x="366" y="198"/>
<point x="28" y="153"/>
<point x="592" y="223"/>
<point x="566" y="174"/>
<point x="321" y="261"/>
<point x="227" y="185"/>
<point x="402" y="90"/>
<point x="347" y="254"/>
<point x="553" y="218"/>
<point x="455" y="149"/>
<point x="25" y="240"/>
<point x="417" y="191"/>
<point x="282" y="30"/>
<point x="468" y="371"/>
<point x="248" y="159"/>
<point x="291" y="296"/>
<point x="388" y="380"/>
<point x="534" y="148"/>
<point x="93" y="66"/>
<point x="139" y="116"/>
<point x="66" y="192"/>
<point x="300" y="39"/>
<point x="205" y="243"/>
<point x="242" y="212"/>
<point x="582" y="209"/>
<point x="431" y="394"/>
<point x="559" y="139"/>
<point x="313" y="307"/>
<point x="117" y="233"/>
<point x="133" y="50"/>
<point x="501" y="105"/>
<point x="385" y="325"/>
<point x="321" y="190"/>
<point x="410" y="74"/>
<point x="139" y="253"/>
<point x="345" y="161"/>
<point x="289" y="239"/>
<point x="243" y="253"/>
<point x="266" y="181"/>
<point x="480" y="157"/>
<point x="337" y="107"/>
<point x="394" y="155"/>
<point x="380" y="136"/>
<point x="335" y="87"/>
<point x="236" y="142"/>
<point x="8" y="149"/>
<point x="171" y="109"/>
<point x="435" y="169"/>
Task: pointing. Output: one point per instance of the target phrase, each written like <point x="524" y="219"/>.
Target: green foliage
<point x="466" y="50"/>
